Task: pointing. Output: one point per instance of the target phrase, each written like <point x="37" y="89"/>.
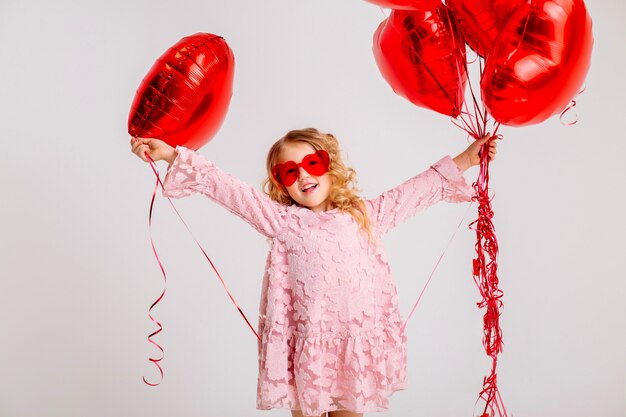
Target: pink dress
<point x="328" y="318"/>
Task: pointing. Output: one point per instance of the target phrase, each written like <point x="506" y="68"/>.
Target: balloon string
<point x="475" y="123"/>
<point x="471" y="61"/>
<point x="481" y="128"/>
<point x="230" y="295"/>
<point x="156" y="361"/>
<point x="494" y="404"/>
<point x="434" y="269"/>
<point x="571" y="105"/>
<point x="486" y="279"/>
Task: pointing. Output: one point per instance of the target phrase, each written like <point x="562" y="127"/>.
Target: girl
<point x="329" y="322"/>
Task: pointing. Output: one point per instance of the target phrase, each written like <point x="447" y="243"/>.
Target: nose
<point x="302" y="173"/>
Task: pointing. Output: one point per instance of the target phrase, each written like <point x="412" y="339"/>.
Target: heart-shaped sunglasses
<point x="314" y="163"/>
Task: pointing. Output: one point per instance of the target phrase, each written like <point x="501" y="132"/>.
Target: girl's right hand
<point x="155" y="148"/>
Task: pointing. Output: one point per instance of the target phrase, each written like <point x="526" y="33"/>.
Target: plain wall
<point x="78" y="273"/>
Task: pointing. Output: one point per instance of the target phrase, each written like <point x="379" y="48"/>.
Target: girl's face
<point x="308" y="190"/>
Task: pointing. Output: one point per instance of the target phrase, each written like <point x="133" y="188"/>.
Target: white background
<point x="78" y="274"/>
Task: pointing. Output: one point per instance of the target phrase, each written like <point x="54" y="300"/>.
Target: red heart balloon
<point x="184" y="98"/>
<point x="538" y="62"/>
<point x="480" y="21"/>
<point x="422" y="56"/>
<point x="404" y="4"/>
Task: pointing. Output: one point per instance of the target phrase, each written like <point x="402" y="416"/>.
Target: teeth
<point x="308" y="187"/>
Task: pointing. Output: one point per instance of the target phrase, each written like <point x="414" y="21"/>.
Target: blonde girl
<point x="329" y="324"/>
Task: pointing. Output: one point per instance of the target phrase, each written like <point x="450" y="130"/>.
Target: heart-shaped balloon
<point x="538" y="62"/>
<point x="422" y="56"/>
<point x="480" y="21"/>
<point x="184" y="98"/>
<point x="404" y="4"/>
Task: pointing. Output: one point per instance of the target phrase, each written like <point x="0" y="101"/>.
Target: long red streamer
<point x="485" y="268"/>
<point x="474" y="121"/>
<point x="160" y="327"/>
<point x="155" y="361"/>
<point x="432" y="273"/>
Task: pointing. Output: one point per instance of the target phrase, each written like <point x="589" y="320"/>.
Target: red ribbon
<point x="570" y="106"/>
<point x="433" y="271"/>
<point x="156" y="361"/>
<point x="485" y="268"/>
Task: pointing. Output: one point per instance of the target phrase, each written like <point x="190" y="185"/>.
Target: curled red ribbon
<point x="484" y="271"/>
<point x="156" y="361"/>
<point x="570" y="106"/>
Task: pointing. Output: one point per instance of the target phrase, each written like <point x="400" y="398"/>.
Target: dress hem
<point x="378" y="408"/>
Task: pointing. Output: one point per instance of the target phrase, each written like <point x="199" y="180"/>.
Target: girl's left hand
<point x="471" y="156"/>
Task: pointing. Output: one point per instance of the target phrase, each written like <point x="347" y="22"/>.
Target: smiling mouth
<point x="308" y="188"/>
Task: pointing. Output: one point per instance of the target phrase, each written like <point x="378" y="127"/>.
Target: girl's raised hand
<point x="471" y="156"/>
<point x="155" y="148"/>
<point x="474" y="149"/>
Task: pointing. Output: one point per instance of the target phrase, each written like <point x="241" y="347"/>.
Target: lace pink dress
<point x="328" y="317"/>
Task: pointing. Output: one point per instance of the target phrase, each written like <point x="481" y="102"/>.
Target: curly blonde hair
<point x="343" y="192"/>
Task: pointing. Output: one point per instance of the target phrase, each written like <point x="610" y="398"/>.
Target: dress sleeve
<point x="193" y="172"/>
<point x="444" y="180"/>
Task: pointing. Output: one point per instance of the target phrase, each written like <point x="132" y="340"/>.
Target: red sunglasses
<point x="314" y="163"/>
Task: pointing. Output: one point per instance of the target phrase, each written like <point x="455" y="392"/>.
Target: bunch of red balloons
<point x="536" y="54"/>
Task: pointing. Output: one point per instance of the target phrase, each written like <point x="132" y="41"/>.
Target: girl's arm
<point x="190" y="171"/>
<point x="444" y="180"/>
